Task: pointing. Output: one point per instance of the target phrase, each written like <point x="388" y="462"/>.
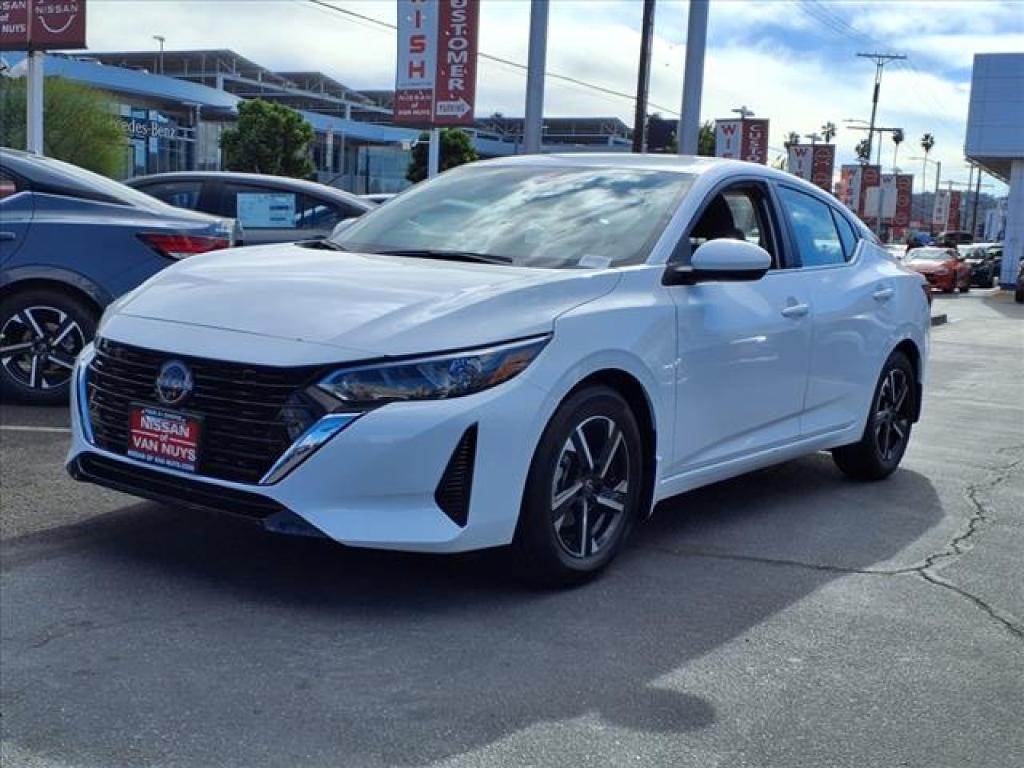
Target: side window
<point x="260" y="207"/>
<point x="739" y="212"/>
<point x="316" y="213"/>
<point x="180" y="194"/>
<point x="846" y="234"/>
<point x="813" y="227"/>
<point x="9" y="185"/>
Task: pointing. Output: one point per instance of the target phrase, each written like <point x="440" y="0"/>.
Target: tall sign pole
<point x="435" y="76"/>
<point x="36" y="26"/>
<point x="688" y="133"/>
<point x="643" y="78"/>
<point x="533" y="126"/>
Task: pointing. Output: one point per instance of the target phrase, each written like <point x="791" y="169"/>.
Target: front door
<point x="744" y="347"/>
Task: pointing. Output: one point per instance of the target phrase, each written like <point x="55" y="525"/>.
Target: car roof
<point x="260" y="179"/>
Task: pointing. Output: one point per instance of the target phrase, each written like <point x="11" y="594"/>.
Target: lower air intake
<point x="453" y="492"/>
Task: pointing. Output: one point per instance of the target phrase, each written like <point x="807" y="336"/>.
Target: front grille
<point x="244" y="407"/>
<point x="170" y="489"/>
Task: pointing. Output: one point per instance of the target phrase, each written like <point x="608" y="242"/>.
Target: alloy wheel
<point x="38" y="347"/>
<point x="590" y="487"/>
<point x="892" y="415"/>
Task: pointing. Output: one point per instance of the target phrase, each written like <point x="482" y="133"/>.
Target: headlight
<point x="433" y="378"/>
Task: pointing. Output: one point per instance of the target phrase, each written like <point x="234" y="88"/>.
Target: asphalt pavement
<point x="786" y="618"/>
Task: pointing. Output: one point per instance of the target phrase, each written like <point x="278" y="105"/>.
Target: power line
<point x="498" y="59"/>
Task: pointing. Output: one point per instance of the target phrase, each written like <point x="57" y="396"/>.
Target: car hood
<point x="360" y="304"/>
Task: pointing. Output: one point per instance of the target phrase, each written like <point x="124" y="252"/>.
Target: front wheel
<point x="41" y="333"/>
<point x="583" y="490"/>
<point x="887" y="432"/>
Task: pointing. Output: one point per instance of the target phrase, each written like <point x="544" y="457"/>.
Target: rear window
<point x="60" y="178"/>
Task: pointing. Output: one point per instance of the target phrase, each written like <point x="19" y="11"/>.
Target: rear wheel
<point x="887" y="432"/>
<point x="583" y="490"/>
<point x="41" y="333"/>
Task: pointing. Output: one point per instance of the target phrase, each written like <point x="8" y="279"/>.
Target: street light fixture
<point x="743" y="112"/>
<point x="161" y="39"/>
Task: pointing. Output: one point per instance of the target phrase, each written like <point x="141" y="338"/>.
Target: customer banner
<point x="435" y="78"/>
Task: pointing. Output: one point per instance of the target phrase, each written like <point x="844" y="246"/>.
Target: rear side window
<point x="813" y="228"/>
<point x="261" y="207"/>
<point x="846" y="234"/>
<point x="267" y="208"/>
<point x="8" y="185"/>
<point x="180" y="194"/>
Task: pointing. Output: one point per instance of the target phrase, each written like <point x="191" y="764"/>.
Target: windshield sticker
<point x="594" y="262"/>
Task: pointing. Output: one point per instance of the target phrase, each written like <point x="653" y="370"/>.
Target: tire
<point x="577" y="511"/>
<point x="965" y="287"/>
<point x="41" y="333"/>
<point x="890" y="421"/>
<point x="1018" y="295"/>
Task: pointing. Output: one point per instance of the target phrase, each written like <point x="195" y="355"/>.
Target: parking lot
<point x="786" y="618"/>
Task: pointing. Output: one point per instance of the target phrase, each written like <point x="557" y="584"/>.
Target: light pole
<point x="924" y="170"/>
<point x="161" y="40"/>
<point x="688" y="130"/>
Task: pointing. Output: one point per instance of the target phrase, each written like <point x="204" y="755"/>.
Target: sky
<point x="793" y="61"/>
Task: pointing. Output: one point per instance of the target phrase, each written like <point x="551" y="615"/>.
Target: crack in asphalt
<point x="954" y="550"/>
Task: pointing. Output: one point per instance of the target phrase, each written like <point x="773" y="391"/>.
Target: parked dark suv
<point x="269" y="209"/>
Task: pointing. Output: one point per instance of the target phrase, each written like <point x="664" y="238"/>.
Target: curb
<point x="939" y="320"/>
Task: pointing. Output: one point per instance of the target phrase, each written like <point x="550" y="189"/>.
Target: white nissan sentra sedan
<point x="529" y="351"/>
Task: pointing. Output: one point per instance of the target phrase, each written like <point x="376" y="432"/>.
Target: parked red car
<point x="943" y="268"/>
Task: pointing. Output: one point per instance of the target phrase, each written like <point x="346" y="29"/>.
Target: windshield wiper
<point x="426" y="253"/>
<point x="323" y="244"/>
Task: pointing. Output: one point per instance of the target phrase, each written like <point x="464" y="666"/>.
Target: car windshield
<point x="537" y="216"/>
<point x="929" y="254"/>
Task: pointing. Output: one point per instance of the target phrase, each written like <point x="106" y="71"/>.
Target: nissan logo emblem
<point x="175" y="382"/>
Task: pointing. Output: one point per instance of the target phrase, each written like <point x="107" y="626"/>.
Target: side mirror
<point x="341" y="226"/>
<point x="721" y="261"/>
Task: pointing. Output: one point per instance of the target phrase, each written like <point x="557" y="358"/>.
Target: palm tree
<point x="897" y="139"/>
<point x="862" y="150"/>
<point x="828" y="132"/>
<point x="791" y="138"/>
<point x="927" y="142"/>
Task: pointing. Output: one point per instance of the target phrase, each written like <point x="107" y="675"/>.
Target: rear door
<point x="852" y="307"/>
<point x="16" y="209"/>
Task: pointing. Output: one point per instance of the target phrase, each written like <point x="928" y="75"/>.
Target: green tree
<point x="706" y="139"/>
<point x="79" y="124"/>
<point x="456" y="149"/>
<point x="269" y="138"/>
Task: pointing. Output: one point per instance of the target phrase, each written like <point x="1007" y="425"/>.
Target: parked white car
<point x="529" y="351"/>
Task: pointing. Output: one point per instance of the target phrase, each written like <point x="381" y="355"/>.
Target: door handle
<point x="796" y="310"/>
<point x="8" y="236"/>
<point x="883" y="294"/>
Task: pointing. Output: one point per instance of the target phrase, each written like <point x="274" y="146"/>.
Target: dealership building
<point x="995" y="141"/>
<point x="174" y="106"/>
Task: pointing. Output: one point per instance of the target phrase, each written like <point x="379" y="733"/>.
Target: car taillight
<point x="180" y="246"/>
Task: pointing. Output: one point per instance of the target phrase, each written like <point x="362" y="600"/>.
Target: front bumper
<point x="373" y="483"/>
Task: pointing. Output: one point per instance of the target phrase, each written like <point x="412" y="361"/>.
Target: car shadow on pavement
<point x="202" y="640"/>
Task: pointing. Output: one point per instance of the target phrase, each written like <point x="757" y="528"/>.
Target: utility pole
<point x="643" y="78"/>
<point x="880" y="59"/>
<point x="688" y="132"/>
<point x="533" y="127"/>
